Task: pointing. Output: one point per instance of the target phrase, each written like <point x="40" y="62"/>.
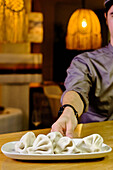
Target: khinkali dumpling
<point x="65" y="145"/>
<point x="92" y="143"/>
<point x="54" y="137"/>
<point x="25" y="142"/>
<point x="42" y="145"/>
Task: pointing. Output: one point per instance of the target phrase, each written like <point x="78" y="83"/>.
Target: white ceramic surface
<point x="8" y="150"/>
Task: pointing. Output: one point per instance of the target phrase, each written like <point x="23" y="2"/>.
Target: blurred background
<point x="36" y="48"/>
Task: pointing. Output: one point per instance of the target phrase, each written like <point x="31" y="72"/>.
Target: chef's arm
<point x="74" y="99"/>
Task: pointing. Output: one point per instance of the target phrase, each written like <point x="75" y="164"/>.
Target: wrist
<point x="68" y="106"/>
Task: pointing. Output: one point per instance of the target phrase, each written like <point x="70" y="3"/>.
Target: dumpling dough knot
<point x="65" y="145"/>
<point x="54" y="137"/>
<point x="42" y="145"/>
<point x="92" y="143"/>
<point x="25" y="142"/>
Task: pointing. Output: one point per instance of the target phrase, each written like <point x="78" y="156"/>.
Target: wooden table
<point x="105" y="129"/>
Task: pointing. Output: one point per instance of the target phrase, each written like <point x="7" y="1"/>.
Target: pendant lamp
<point x="83" y="31"/>
<point x="12" y="21"/>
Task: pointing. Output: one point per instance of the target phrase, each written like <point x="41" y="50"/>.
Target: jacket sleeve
<point x="79" y="78"/>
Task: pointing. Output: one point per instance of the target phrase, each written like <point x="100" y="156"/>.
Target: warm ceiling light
<point x="83" y="31"/>
<point x="84" y="23"/>
<point x="12" y="21"/>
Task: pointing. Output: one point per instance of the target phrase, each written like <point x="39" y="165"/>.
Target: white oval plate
<point x="8" y="150"/>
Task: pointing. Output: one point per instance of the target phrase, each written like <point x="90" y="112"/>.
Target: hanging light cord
<point x="83" y="4"/>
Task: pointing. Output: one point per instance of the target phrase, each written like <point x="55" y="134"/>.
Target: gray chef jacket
<point x="91" y="75"/>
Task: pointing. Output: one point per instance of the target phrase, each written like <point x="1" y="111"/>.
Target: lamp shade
<point x="12" y="21"/>
<point x="83" y="31"/>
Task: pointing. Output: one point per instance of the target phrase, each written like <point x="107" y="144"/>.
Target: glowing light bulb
<point x="84" y="23"/>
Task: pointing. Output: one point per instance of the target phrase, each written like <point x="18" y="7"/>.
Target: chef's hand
<point x="66" y="123"/>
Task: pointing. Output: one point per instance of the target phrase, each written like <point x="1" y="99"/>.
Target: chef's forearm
<point x="73" y="98"/>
